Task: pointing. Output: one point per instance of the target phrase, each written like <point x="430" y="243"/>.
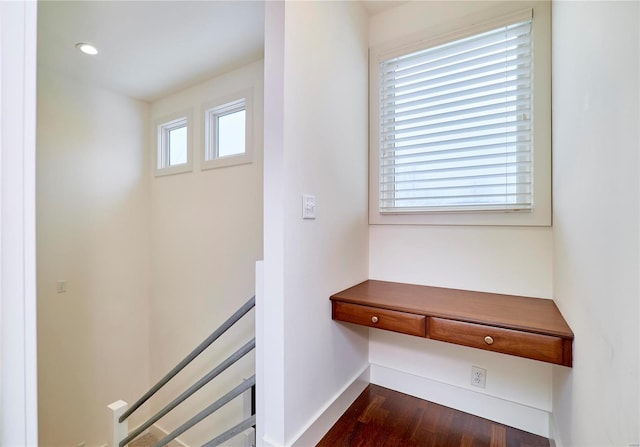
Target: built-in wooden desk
<point x="514" y="325"/>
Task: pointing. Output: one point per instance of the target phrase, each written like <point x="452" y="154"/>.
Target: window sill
<point x="534" y="218"/>
<point x="223" y="162"/>
<point x="171" y="170"/>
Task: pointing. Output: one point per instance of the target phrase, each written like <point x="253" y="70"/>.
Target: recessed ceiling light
<point x="87" y="48"/>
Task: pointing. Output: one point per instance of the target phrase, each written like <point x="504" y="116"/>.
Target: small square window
<point x="228" y="127"/>
<point x="173" y="154"/>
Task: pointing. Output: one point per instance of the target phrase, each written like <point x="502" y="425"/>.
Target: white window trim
<point x="467" y="26"/>
<point x="159" y="149"/>
<point x="224" y="104"/>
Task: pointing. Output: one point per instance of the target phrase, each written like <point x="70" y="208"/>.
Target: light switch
<point x="308" y="206"/>
<point x="61" y="286"/>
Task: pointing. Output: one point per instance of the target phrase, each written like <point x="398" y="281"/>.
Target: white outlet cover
<point x="478" y="377"/>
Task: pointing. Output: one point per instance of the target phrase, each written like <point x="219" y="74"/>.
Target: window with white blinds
<point x="456" y="125"/>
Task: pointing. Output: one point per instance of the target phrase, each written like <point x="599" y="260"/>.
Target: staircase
<point x="139" y="437"/>
<point x="148" y="440"/>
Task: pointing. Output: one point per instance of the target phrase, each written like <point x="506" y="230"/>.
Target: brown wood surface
<point x="507" y="341"/>
<point x="509" y="311"/>
<point x="390" y="320"/>
<point x="567" y="348"/>
<point x="381" y="417"/>
<point x="521" y="326"/>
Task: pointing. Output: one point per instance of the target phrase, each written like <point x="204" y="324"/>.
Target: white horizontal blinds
<point x="455" y="125"/>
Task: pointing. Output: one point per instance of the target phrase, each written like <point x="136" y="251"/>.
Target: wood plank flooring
<point x="381" y="417"/>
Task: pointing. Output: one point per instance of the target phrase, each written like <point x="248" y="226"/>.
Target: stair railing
<point x="120" y="412"/>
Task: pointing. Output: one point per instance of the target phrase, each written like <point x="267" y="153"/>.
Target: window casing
<point x="453" y="139"/>
<point x="228" y="128"/>
<point x="173" y="144"/>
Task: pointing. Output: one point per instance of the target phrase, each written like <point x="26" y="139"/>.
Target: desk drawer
<point x="390" y="320"/>
<point x="507" y="341"/>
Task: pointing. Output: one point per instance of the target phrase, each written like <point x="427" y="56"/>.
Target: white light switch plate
<point x="308" y="206"/>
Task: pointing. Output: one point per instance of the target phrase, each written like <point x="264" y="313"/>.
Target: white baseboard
<point x="267" y="442"/>
<point x="513" y="414"/>
<point x="553" y="433"/>
<point x="160" y="433"/>
<point x="320" y="424"/>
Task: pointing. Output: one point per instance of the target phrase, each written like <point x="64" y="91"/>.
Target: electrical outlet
<point x="478" y="377"/>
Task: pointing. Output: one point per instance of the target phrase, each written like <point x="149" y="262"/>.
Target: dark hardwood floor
<point x="381" y="417"/>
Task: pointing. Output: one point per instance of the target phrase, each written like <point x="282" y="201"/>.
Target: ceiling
<point x="374" y="7"/>
<point x="148" y="49"/>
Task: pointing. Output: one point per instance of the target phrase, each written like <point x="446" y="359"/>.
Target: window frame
<point x="214" y="109"/>
<point x="161" y="153"/>
<point x="540" y="215"/>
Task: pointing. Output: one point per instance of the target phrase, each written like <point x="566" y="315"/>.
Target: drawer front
<point x="390" y="320"/>
<point x="507" y="341"/>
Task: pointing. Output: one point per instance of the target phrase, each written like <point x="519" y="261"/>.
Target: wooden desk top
<point x="534" y="315"/>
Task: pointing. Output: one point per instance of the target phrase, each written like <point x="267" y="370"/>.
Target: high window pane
<point x="173" y="153"/>
<point x="228" y="138"/>
<point x="178" y="146"/>
<point x="231" y="134"/>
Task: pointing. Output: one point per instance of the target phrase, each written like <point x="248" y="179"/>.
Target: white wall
<point x="206" y="236"/>
<point x="513" y="260"/>
<point x="18" y="375"/>
<point x="153" y="264"/>
<point x="92" y="226"/>
<point x="270" y="302"/>
<point x="322" y="150"/>
<point x="596" y="204"/>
